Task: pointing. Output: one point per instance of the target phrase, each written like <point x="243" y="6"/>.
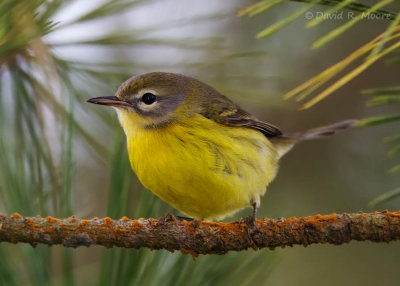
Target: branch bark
<point x="201" y="237"/>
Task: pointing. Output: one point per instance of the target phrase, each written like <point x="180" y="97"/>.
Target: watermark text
<point x="345" y="15"/>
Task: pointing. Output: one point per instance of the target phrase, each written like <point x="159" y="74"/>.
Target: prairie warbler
<point x="196" y="149"/>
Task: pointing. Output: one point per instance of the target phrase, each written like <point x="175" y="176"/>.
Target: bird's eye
<point x="149" y="98"/>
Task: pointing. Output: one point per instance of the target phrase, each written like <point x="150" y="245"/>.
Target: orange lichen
<point x="136" y="226"/>
<point x="275" y="228"/>
<point x="208" y="237"/>
<point x="189" y="226"/>
<point x="332" y="218"/>
<point x="394" y="214"/>
<point x="107" y="221"/>
<point x="16" y="215"/>
<point x="83" y="224"/>
<point x="50" y="219"/>
<point x="189" y="251"/>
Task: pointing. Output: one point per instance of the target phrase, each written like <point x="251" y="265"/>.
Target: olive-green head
<point x="159" y="98"/>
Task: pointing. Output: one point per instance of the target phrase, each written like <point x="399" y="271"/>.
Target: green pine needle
<point x="393" y="90"/>
<point x="395" y="151"/>
<point x="384" y="99"/>
<point x="376" y="120"/>
<point x="286" y="21"/>
<point x="392" y="139"/>
<point x="340" y="30"/>
<point x="395" y="169"/>
<point x="385" y="197"/>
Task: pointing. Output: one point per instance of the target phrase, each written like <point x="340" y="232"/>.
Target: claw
<point x="181" y="218"/>
<point x="171" y="217"/>
<point x="168" y="218"/>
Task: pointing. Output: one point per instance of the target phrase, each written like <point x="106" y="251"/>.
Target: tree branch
<point x="201" y="237"/>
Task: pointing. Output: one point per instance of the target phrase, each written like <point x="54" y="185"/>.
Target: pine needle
<point x="357" y="71"/>
<point x="284" y="22"/>
<point x="317" y="20"/>
<point x="306" y="88"/>
<point x="385" y="197"/>
<point x="338" y="31"/>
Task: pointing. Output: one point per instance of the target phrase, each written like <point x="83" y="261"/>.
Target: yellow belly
<point x="202" y="168"/>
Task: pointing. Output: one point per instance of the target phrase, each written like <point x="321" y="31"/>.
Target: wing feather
<point x="228" y="113"/>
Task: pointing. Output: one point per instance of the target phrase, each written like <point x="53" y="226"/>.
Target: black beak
<point x="108" y="100"/>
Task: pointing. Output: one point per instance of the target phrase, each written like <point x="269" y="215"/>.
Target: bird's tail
<point x="322" y="131"/>
<point x="285" y="142"/>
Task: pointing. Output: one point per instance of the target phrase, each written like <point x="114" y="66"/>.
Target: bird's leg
<point x="251" y="220"/>
<point x="255" y="205"/>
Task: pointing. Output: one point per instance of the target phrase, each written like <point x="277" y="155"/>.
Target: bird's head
<point x="157" y="98"/>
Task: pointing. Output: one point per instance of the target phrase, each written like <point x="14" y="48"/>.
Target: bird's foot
<point x="181" y="218"/>
<point x="250" y="222"/>
<point x="168" y="218"/>
<point x="171" y="217"/>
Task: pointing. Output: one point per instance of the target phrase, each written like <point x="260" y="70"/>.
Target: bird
<point x="195" y="148"/>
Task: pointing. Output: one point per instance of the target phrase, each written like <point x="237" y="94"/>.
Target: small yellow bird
<point x="196" y="149"/>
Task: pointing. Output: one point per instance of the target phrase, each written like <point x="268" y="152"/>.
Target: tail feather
<point x="322" y="131"/>
<point x="284" y="143"/>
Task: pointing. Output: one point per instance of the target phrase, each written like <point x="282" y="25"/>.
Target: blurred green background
<point x="60" y="156"/>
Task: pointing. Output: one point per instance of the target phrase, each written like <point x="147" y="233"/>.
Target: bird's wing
<point x="227" y="113"/>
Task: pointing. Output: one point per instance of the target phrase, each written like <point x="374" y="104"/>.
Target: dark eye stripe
<point x="149" y="98"/>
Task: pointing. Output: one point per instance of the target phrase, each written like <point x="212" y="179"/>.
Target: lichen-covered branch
<point x="201" y="237"/>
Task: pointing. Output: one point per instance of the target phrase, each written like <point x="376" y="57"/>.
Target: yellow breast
<point x="202" y="168"/>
